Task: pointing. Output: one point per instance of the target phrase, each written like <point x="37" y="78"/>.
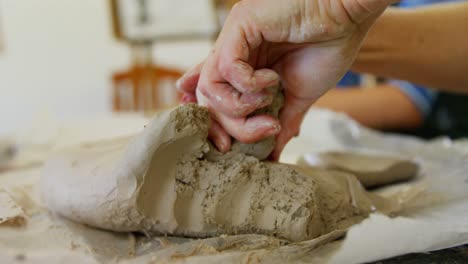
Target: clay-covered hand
<point x="307" y="45"/>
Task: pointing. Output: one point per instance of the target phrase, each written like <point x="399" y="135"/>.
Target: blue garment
<point x="350" y="79"/>
<point x="423" y="98"/>
<point x="415" y="3"/>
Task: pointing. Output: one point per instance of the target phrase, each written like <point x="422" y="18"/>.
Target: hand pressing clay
<point x="169" y="180"/>
<point x="371" y="171"/>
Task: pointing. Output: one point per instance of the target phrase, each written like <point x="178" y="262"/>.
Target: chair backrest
<point x="141" y="23"/>
<point x="145" y="88"/>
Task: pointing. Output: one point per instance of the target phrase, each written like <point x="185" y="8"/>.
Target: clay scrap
<point x="371" y="170"/>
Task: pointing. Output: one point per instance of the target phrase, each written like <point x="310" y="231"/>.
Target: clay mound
<point x="168" y="180"/>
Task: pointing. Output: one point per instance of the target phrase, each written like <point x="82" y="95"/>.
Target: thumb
<point x="291" y="117"/>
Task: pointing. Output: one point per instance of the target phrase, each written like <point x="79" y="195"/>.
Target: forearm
<point x="384" y="107"/>
<point x="426" y="45"/>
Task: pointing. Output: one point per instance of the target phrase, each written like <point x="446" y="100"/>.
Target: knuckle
<point x="204" y="90"/>
<point x="224" y="69"/>
<point x="240" y="110"/>
<point x="238" y="7"/>
<point x="239" y="113"/>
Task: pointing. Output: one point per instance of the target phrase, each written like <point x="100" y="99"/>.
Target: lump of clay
<point x="371" y="170"/>
<point x="162" y="182"/>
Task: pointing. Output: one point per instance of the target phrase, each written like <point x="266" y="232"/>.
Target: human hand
<point x="306" y="45"/>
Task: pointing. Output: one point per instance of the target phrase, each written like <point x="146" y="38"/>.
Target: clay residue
<point x="169" y="180"/>
<point x="243" y="195"/>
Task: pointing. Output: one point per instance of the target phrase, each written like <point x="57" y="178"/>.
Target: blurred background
<point x="68" y="59"/>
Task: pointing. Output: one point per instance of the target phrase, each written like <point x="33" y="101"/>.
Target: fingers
<point x="228" y="101"/>
<point x="239" y="38"/>
<point x="220" y="138"/>
<point x="223" y="97"/>
<point x="244" y="78"/>
<point x="188" y="82"/>
<point x="249" y="130"/>
<point x="291" y="118"/>
<point x="246" y="130"/>
<point x="231" y="88"/>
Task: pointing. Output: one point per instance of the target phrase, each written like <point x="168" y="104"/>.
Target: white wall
<point x="59" y="57"/>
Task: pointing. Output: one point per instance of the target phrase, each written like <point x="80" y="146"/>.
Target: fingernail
<point x="274" y="130"/>
<point x="264" y="101"/>
<point x="270" y="77"/>
<point x="223" y="148"/>
<point x="267" y="79"/>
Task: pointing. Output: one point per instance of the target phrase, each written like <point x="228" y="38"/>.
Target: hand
<point x="306" y="45"/>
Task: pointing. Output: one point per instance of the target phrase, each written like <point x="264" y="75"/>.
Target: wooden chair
<point x="145" y="88"/>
